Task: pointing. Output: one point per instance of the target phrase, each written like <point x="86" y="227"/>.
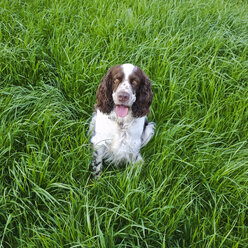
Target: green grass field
<point x="192" y="190"/>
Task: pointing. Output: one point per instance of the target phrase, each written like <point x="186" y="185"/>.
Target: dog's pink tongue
<point x="121" y="110"/>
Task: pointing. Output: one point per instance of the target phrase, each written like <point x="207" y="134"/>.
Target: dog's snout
<point x="123" y="96"/>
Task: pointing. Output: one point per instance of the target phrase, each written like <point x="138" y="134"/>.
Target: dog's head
<point x="125" y="88"/>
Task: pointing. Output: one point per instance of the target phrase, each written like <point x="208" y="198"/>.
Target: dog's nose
<point x="123" y="96"/>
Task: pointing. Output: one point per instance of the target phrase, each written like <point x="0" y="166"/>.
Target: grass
<point x="192" y="190"/>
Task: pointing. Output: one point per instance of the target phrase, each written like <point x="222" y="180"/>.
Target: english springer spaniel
<point x="119" y="126"/>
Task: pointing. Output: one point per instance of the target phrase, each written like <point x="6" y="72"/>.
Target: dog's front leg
<point x="97" y="162"/>
<point x="147" y="133"/>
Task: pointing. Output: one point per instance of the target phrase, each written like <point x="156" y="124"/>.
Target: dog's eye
<point x="116" y="81"/>
<point x="134" y="83"/>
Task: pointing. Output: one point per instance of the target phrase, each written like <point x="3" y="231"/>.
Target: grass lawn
<point x="192" y="190"/>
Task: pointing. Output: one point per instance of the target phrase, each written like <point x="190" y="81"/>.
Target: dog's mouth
<point x="121" y="110"/>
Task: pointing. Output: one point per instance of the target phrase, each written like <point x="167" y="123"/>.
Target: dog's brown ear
<point x="141" y="106"/>
<point x="104" y="100"/>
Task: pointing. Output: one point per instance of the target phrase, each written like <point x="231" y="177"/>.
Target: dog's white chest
<point x="121" y="137"/>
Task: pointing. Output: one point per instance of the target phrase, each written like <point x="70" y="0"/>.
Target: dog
<point x="119" y="126"/>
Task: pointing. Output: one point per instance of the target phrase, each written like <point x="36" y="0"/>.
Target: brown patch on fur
<point x="141" y="106"/>
<point x="117" y="77"/>
<point x="104" y="100"/>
